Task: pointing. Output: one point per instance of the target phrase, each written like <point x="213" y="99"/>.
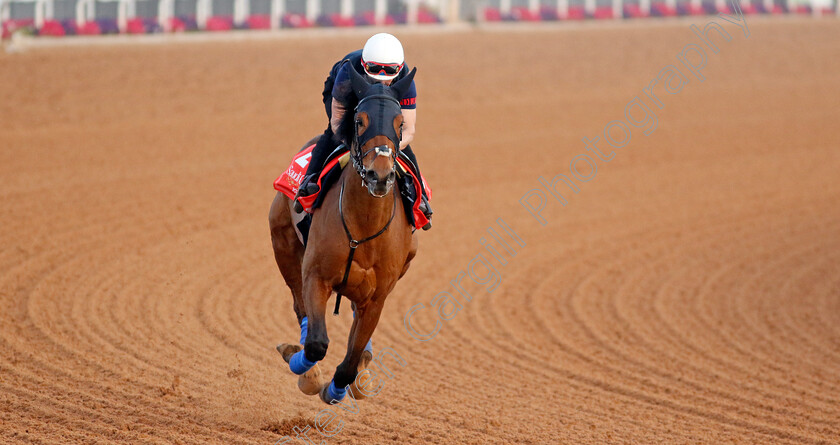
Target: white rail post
<point x="534" y="6"/>
<point x="166" y="11"/>
<point x="413" y="9"/>
<point x="277" y="9"/>
<point x="203" y="10"/>
<point x="379" y="11"/>
<point x="126" y="9"/>
<point x="347" y="8"/>
<point x="815" y="10"/>
<point x="313" y="10"/>
<point x="563" y="8"/>
<point x="720" y="4"/>
<point x="39" y="14"/>
<point x="644" y="6"/>
<point x="43" y="12"/>
<point x="618" y="9"/>
<point x="85" y="11"/>
<point x="671" y="4"/>
<point x="241" y="11"/>
<point x="589" y="6"/>
<point x="768" y="5"/>
<point x="5" y="11"/>
<point x="453" y="11"/>
<point x="504" y="7"/>
<point x="696" y="3"/>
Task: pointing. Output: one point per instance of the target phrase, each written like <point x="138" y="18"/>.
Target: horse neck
<point x="364" y="213"/>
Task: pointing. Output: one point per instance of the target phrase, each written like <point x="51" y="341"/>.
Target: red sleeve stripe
<point x="409" y="101"/>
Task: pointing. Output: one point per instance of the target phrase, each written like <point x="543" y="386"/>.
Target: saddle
<point x="409" y="184"/>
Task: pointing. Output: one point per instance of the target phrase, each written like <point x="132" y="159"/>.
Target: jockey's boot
<point x="426" y="208"/>
<point x="308" y="186"/>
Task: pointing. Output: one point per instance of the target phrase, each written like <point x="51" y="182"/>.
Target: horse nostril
<point x="370" y="175"/>
<point x="392" y="176"/>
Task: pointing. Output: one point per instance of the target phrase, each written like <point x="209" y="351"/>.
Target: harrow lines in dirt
<point x="688" y="294"/>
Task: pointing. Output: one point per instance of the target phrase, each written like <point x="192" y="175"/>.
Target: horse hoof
<point x="310" y="382"/>
<point x="287" y="350"/>
<point x="362" y="377"/>
<point x="326" y="397"/>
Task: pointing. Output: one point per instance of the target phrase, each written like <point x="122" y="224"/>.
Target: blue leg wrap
<point x="304" y="328"/>
<point x="336" y="393"/>
<point x="299" y="364"/>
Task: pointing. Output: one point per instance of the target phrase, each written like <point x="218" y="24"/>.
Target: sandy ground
<point x="689" y="293"/>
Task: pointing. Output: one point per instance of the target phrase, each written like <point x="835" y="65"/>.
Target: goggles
<point x="382" y="69"/>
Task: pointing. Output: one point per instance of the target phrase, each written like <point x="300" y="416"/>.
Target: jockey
<point x="382" y="60"/>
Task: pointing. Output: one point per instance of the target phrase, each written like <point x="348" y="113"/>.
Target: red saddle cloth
<point x="289" y="181"/>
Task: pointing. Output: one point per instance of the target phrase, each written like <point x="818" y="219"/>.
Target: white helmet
<point x="382" y="56"/>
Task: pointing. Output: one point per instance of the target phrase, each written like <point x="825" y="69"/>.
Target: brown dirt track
<point x="689" y="294"/>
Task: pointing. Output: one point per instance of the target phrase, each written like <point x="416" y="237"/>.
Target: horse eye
<point x="359" y="123"/>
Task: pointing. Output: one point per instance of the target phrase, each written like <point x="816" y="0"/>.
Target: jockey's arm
<point x="409" y="121"/>
<point x="337" y="115"/>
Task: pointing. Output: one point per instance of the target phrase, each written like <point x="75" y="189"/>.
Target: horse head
<point x="377" y="131"/>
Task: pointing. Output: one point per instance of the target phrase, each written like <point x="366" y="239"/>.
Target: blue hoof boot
<point x="299" y="364"/>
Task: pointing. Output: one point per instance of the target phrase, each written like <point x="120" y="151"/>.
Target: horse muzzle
<point x="378" y="186"/>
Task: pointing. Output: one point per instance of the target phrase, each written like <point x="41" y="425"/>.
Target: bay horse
<point x="360" y="243"/>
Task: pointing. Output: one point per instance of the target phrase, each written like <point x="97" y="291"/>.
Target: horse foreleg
<point x="316" y="292"/>
<point x="345" y="374"/>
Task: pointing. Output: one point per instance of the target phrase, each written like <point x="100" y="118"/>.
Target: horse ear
<point x="401" y="86"/>
<point x="358" y="82"/>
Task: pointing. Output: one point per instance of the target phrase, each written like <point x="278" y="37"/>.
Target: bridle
<point x="358" y="163"/>
<point x="358" y="155"/>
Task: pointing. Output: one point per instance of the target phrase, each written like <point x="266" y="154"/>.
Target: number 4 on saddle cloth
<point x="407" y="181"/>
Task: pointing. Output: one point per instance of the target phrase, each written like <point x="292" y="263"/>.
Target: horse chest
<point x="361" y="282"/>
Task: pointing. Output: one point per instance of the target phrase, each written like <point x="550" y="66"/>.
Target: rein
<point x="354" y="243"/>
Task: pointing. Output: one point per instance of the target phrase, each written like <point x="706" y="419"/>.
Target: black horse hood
<point x="381" y="103"/>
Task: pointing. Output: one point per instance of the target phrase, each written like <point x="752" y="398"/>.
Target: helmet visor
<point x="382" y="69"/>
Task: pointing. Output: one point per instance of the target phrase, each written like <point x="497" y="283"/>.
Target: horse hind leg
<point x="363" y="373"/>
<point x="363" y="376"/>
<point x="288" y="253"/>
<point x="288" y="250"/>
